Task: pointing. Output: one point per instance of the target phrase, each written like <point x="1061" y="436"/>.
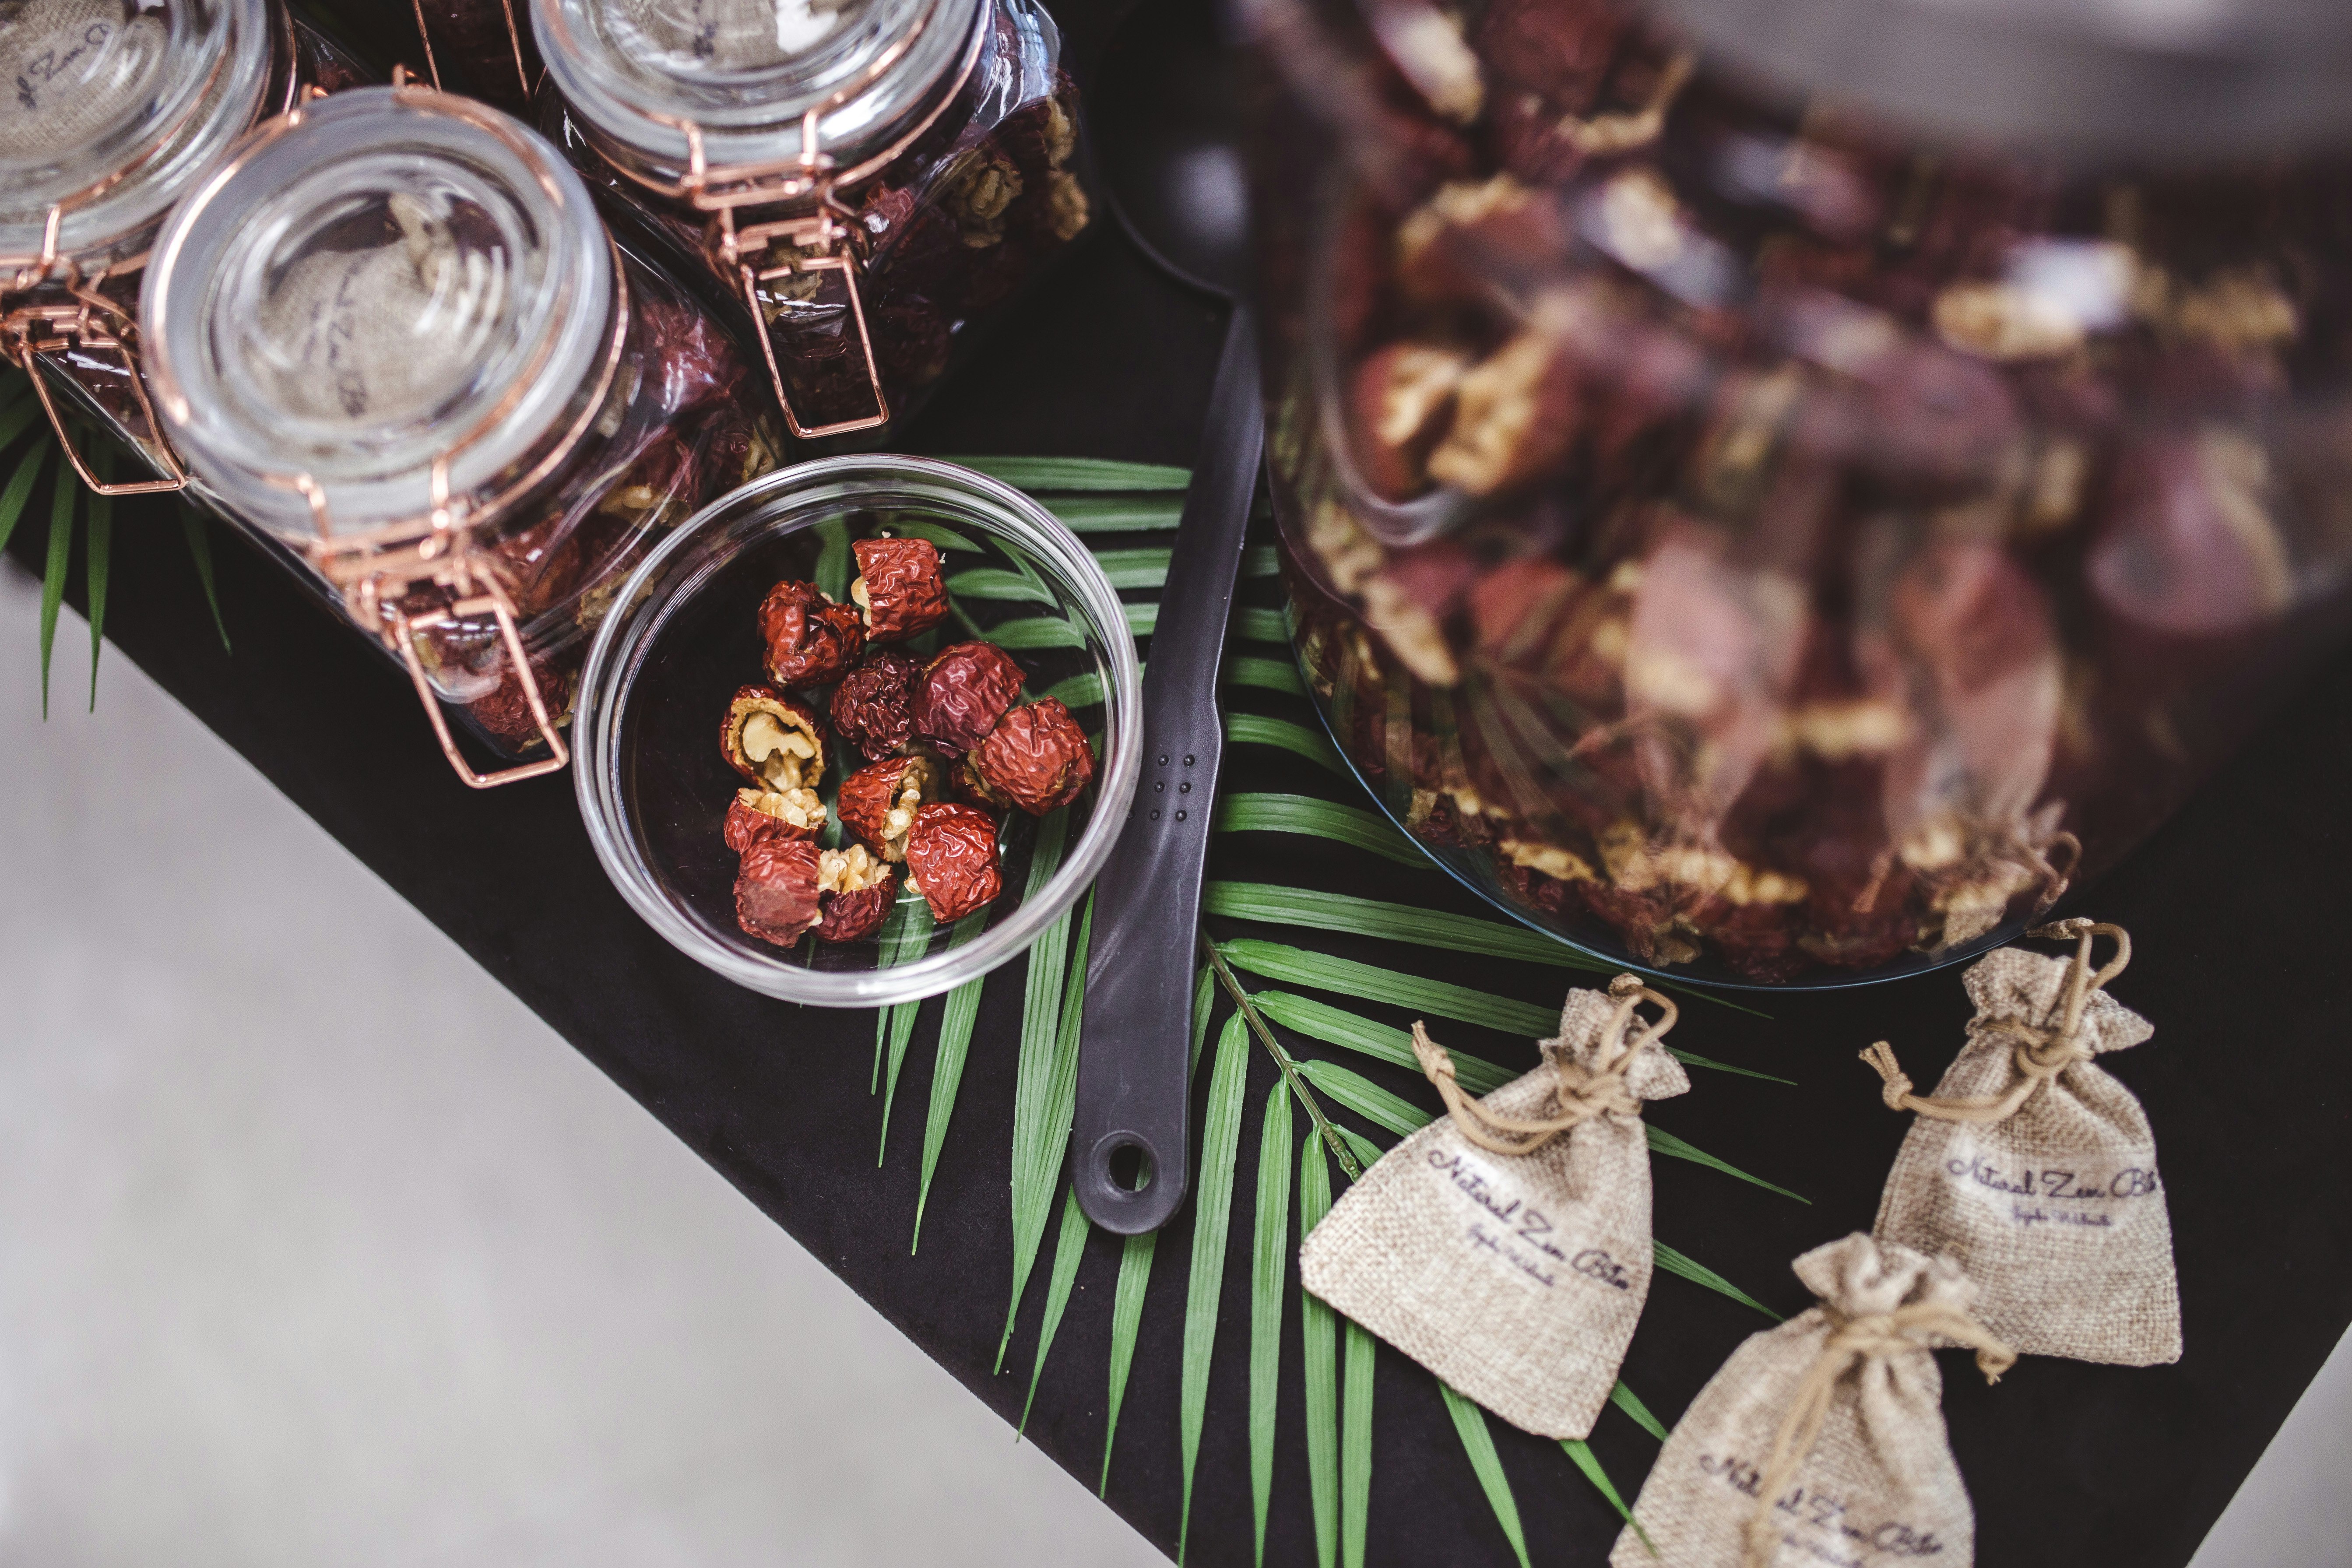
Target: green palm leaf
<point x="1126" y="1317"/>
<point x="200" y="550"/>
<point x="1068" y="1248"/>
<point x="1265" y="674"/>
<point x="1045" y="1077"/>
<point x="20" y="489"/>
<point x="1300" y="966"/>
<point x="1303" y="813"/>
<point x="1319" y="1346"/>
<point x="1260" y="626"/>
<point x="1269" y="1279"/>
<point x="1257" y="730"/>
<point x="1213" y="1199"/>
<point x="1662" y="1143"/>
<point x="1076" y="473"/>
<point x="1698" y="1273"/>
<point x="1356" y="1448"/>
<point x="1582" y="1454"/>
<point x="64" y="492"/>
<point x="101" y="551"/>
<point x="1333" y="1027"/>
<point x="902" y="1030"/>
<point x="1625" y="1399"/>
<point x="956" y="1021"/>
<point x="1470" y="1426"/>
<point x="1366" y="1098"/>
<point x="1274" y="905"/>
<point x="832" y="558"/>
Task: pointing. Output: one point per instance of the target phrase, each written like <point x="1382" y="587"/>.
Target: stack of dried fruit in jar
<point x="948" y="749"/>
<point x="1740" y="531"/>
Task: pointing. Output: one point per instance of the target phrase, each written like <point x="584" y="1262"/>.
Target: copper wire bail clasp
<point x="817" y="241"/>
<point x="366" y="566"/>
<point x="31" y="329"/>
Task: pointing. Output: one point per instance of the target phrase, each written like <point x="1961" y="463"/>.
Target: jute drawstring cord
<point x="2040" y="1055"/>
<point x="1852" y="1342"/>
<point x="1583" y="1093"/>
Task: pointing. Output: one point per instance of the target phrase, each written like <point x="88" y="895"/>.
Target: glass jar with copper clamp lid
<point x="391" y="339"/>
<point x="119" y="107"/>
<point x="868" y="179"/>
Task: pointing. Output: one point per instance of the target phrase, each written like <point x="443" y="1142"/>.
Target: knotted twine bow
<point x="1583" y="1092"/>
<point x="2040" y="1055"/>
<point x="1853" y="1340"/>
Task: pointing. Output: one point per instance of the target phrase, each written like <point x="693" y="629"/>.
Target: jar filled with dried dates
<point x="392" y="340"/>
<point x="119" y="107"/>
<point x="864" y="180"/>
<point x="1778" y="492"/>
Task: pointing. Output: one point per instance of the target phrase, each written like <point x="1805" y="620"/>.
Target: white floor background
<point x="285" y="1281"/>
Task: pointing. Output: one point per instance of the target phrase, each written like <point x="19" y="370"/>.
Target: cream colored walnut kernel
<point x="849" y="870"/>
<point x="801" y="808"/>
<point x="779" y="753"/>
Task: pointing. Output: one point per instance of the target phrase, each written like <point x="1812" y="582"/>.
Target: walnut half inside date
<point x="878" y="802"/>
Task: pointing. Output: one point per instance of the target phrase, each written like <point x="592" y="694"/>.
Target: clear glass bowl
<point x="654" y="789"/>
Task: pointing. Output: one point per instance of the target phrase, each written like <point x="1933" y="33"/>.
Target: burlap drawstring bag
<point x="368" y="338"/>
<point x="1823" y="1441"/>
<point x="2035" y="1169"/>
<point x="76" y="71"/>
<point x="1505" y="1247"/>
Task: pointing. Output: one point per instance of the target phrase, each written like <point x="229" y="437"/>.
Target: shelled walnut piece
<point x="854" y="891"/>
<point x="879" y="802"/>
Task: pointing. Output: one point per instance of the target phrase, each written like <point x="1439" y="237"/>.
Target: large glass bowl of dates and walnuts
<point x="1744" y="539"/>
<point x="861" y="731"/>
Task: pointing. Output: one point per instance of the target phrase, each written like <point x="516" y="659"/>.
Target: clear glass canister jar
<point x="118" y="109"/>
<point x="392" y="339"/>
<point x="1777" y="492"/>
<point x="866" y="179"/>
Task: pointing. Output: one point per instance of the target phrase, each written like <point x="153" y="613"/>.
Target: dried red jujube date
<point x="952" y="860"/>
<point x="809" y="639"/>
<point x="1400" y="401"/>
<point x="776" y="889"/>
<point x="899" y="587"/>
<point x="855" y="889"/>
<point x="774" y="740"/>
<point x="965" y="691"/>
<point x="757" y="814"/>
<point x="974" y="790"/>
<point x="878" y="802"/>
<point x="873" y="706"/>
<point x="1036" y="757"/>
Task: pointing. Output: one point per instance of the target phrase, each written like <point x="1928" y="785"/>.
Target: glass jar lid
<point x="638" y="72"/>
<point x="115" y="107"/>
<point x="384" y="282"/>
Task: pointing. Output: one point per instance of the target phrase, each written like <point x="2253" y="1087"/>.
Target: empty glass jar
<point x="865" y="179"/>
<point x="118" y="109"/>
<point x="1780" y="496"/>
<point x="392" y="338"/>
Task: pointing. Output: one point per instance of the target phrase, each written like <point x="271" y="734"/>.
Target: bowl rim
<point x="596" y="727"/>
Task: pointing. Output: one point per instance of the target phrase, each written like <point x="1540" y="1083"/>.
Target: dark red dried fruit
<point x="899" y="587"/>
<point x="873" y="706"/>
<point x="878" y="802"/>
<point x="757" y="814"/>
<point x="1401" y="403"/>
<point x="1037" y="757"/>
<point x="856" y="890"/>
<point x="810" y="640"/>
<point x="775" y="741"/>
<point x="965" y="691"/>
<point x="776" y="890"/>
<point x="974" y="789"/>
<point x="952" y="860"/>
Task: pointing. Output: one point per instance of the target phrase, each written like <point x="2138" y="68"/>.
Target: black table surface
<point x="2236" y="907"/>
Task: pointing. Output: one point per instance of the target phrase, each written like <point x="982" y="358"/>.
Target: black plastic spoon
<point x="1166" y="129"/>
